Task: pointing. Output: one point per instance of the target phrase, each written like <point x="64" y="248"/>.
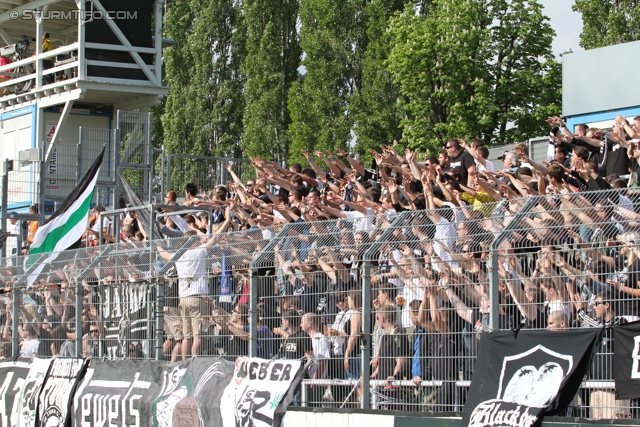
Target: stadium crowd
<point x="573" y="260"/>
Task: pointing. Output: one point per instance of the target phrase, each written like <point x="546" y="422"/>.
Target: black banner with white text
<point x="626" y="360"/>
<point x="517" y="381"/>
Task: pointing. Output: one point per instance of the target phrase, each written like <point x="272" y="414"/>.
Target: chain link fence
<point x="204" y="171"/>
<point x="389" y="307"/>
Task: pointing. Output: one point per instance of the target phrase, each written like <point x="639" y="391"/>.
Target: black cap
<point x="503" y="155"/>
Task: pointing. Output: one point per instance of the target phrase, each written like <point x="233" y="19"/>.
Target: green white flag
<point x="66" y="226"/>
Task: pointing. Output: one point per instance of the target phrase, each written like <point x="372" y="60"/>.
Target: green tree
<point x="332" y="35"/>
<point x="204" y="109"/>
<point x="375" y="105"/>
<point x="471" y="68"/>
<point x="271" y="66"/>
<point x="608" y="22"/>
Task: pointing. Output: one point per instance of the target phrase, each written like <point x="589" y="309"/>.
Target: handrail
<point x="34" y="58"/>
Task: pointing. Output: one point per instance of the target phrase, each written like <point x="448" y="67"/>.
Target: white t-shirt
<point x="557" y="306"/>
<point x="106" y="223"/>
<point x="489" y="166"/>
<point x="321" y="346"/>
<point x="266" y="233"/>
<point x="445" y="233"/>
<point x="192" y="272"/>
<point x="361" y="222"/>
<point x="459" y="215"/>
<point x="29" y="347"/>
<point x="338" y="342"/>
<point x="409" y="296"/>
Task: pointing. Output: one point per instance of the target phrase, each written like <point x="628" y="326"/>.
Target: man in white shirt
<point x="30" y="342"/>
<point x="321" y="345"/>
<point x="193" y="286"/>
<point x="311" y="324"/>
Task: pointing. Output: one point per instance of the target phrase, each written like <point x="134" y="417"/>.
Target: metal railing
<point x="391" y="306"/>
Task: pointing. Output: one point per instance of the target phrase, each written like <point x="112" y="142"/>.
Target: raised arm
<point x="235" y="178"/>
<point x="473" y="153"/>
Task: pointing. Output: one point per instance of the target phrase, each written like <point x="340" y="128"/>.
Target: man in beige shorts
<point x="172" y="347"/>
<point x="193" y="286"/>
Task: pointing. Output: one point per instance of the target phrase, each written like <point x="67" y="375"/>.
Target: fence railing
<point x="393" y="304"/>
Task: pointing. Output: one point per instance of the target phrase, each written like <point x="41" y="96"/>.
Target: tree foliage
<point x="272" y="78"/>
<point x="470" y="68"/>
<point x="331" y="36"/>
<point x="375" y="104"/>
<point x="204" y="109"/>
<point x="271" y="66"/>
<point x="608" y="22"/>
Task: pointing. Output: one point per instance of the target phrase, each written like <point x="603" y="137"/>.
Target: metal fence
<point x="390" y="307"/>
<point x="204" y="171"/>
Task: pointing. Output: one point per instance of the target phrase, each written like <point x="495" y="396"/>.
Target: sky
<point x="566" y="23"/>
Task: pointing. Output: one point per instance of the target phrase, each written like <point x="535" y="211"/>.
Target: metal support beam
<point x="253" y="291"/>
<point x="5" y="37"/>
<point x="160" y="284"/>
<point x="54" y="141"/>
<point x="404" y="217"/>
<point x="39" y="132"/>
<point x="123" y="39"/>
<point x="82" y="66"/>
<point x="158" y="40"/>
<point x="38" y="43"/>
<point x="5" y="201"/>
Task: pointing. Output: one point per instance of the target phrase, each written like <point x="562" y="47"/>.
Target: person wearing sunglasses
<point x="91" y="341"/>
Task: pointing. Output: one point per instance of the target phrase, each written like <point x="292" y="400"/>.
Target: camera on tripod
<point x="15" y="51"/>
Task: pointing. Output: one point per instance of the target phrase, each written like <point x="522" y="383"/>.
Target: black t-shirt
<point x="392" y="345"/>
<point x="296" y="346"/>
<point x="618" y="161"/>
<point x="462" y="162"/>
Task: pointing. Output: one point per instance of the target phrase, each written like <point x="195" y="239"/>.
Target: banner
<point x="146" y="392"/>
<point x="197" y="392"/>
<point x="111" y="393"/>
<point x="54" y="404"/>
<point x="519" y="380"/>
<point x="260" y="392"/>
<point x="26" y="410"/>
<point x="12" y="376"/>
<point x="125" y="315"/>
<point x="626" y="360"/>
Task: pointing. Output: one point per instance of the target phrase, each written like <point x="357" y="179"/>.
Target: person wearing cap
<point x="510" y="161"/>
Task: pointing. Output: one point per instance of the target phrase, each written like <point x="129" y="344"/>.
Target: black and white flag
<point x="56" y="397"/>
<point x="626" y="360"/>
<point x="25" y="412"/>
<point x="12" y="376"/>
<point x="517" y="381"/>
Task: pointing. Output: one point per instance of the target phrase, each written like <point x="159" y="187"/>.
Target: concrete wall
<point x="602" y="79"/>
<point x="323" y="417"/>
